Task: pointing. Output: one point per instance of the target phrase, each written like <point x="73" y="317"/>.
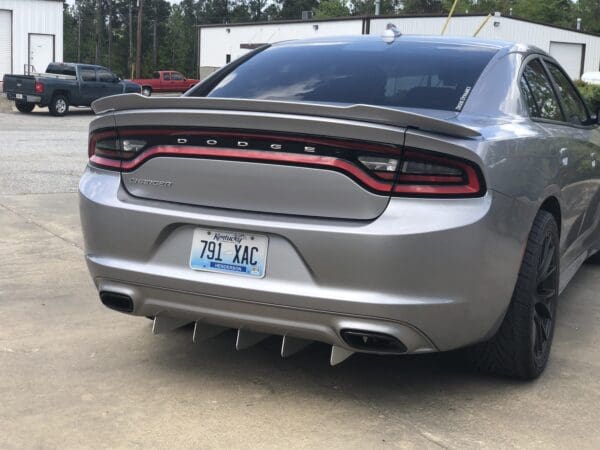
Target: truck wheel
<point x="24" y="107"/>
<point x="521" y="347"/>
<point x="146" y="91"/>
<point x="59" y="105"/>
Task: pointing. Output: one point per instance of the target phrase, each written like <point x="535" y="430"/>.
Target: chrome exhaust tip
<point x="373" y="342"/>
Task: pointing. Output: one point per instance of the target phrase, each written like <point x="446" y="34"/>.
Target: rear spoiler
<point x="365" y="113"/>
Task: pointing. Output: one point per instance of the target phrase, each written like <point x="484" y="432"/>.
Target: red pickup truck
<point x="165" y="81"/>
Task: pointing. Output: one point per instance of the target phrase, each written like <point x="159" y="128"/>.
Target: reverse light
<point x="132" y="145"/>
<point x="39" y="87"/>
<point x="379" y="164"/>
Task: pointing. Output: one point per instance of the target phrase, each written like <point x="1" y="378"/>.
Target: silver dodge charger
<point x="388" y="196"/>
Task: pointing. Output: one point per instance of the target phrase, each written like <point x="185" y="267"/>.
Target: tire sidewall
<point x="53" y="106"/>
<point x="24" y="107"/>
<point x="539" y="363"/>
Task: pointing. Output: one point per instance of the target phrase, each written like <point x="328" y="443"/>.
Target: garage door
<point x="41" y="51"/>
<point x="570" y="56"/>
<point x="5" y="42"/>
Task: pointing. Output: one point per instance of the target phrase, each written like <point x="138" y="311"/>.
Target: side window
<point x="531" y="105"/>
<point x="177" y="76"/>
<point x="575" y="109"/>
<point x="167" y="77"/>
<point x="87" y="74"/>
<point x="539" y="91"/>
<point x="105" y="76"/>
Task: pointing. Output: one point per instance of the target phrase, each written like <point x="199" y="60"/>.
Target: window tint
<point x="575" y="109"/>
<point x="402" y="74"/>
<point x="88" y="74"/>
<point x="176" y="76"/>
<point x="541" y="100"/>
<point x="105" y="76"/>
<point x="167" y="77"/>
<point x="61" y="70"/>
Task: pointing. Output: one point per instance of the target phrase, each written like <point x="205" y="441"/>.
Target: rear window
<point x="402" y="74"/>
<point x="61" y="70"/>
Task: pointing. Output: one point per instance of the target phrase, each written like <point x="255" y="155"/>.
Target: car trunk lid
<point x="268" y="157"/>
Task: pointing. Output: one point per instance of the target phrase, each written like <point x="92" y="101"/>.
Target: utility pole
<point x="110" y="36"/>
<point x="138" y="51"/>
<point x="130" y="57"/>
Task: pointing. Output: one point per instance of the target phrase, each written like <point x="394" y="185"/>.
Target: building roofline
<point x="396" y="16"/>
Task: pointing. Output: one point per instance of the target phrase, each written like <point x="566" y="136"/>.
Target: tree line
<point x="110" y="32"/>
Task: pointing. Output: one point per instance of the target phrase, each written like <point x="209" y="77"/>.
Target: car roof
<point x="424" y="39"/>
<point x="81" y="65"/>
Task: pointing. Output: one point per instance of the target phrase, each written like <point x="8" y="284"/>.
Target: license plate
<point x="229" y="252"/>
<point x="19" y="96"/>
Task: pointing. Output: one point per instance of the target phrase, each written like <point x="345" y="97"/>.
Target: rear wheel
<point x="521" y="347"/>
<point x="594" y="259"/>
<point x="146" y="91"/>
<point x="25" y="107"/>
<point x="59" y="106"/>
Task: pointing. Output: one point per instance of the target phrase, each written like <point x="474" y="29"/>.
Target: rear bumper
<point x="437" y="274"/>
<point x="25" y="97"/>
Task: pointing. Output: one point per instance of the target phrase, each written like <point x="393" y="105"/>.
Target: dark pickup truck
<point x="64" y="84"/>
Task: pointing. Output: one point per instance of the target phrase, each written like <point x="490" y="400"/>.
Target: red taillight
<point x="39" y="87"/>
<point x="434" y="175"/>
<point x="104" y="150"/>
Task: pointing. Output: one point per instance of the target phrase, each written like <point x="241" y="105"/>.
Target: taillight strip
<point x="252" y="155"/>
<point x="469" y="184"/>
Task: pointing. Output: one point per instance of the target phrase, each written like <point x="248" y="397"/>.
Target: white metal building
<point x="578" y="52"/>
<point x="31" y="34"/>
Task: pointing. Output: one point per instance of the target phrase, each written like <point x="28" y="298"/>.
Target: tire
<point x="59" y="105"/>
<point x="146" y="91"/>
<point x="594" y="259"/>
<point x="25" y="107"/>
<point x="521" y="347"/>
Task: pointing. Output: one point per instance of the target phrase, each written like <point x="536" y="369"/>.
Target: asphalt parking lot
<point x="74" y="374"/>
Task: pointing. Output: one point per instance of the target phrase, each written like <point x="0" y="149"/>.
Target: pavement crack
<point x="41" y="226"/>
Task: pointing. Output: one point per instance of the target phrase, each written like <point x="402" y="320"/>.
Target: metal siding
<point x="5" y="43"/>
<point x="216" y="42"/>
<point x="34" y="16"/>
<point x="569" y="55"/>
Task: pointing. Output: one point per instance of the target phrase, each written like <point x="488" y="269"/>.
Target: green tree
<point x="556" y="12"/>
<point x="422" y="6"/>
<point x="367" y="7"/>
<point x="589" y="12"/>
<point x="292" y="9"/>
<point x="332" y="8"/>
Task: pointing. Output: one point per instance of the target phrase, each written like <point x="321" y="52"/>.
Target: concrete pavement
<point x="74" y="374"/>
